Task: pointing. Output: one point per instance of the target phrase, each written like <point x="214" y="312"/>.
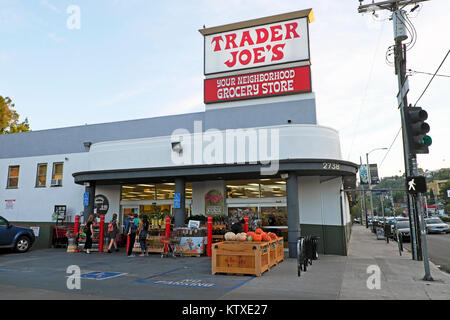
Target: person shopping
<point x="131" y="229"/>
<point x="143" y="232"/>
<point x="89" y="230"/>
<point x="113" y="229"/>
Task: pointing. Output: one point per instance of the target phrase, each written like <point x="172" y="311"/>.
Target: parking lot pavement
<point x="114" y="276"/>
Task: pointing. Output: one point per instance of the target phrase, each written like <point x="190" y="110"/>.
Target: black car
<point x="13" y="237"/>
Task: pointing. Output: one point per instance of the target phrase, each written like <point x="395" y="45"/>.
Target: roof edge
<point x="260" y="21"/>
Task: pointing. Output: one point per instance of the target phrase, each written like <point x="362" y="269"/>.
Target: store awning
<point x="302" y="167"/>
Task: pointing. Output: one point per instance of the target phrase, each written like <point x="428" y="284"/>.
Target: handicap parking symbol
<point x="97" y="275"/>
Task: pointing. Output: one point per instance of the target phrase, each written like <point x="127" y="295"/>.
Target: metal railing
<point x="306" y="252"/>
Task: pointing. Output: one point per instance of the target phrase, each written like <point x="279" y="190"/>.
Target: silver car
<point x="436" y="225"/>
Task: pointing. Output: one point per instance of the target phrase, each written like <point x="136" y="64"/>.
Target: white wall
<point x="295" y="142"/>
<point x="319" y="202"/>
<point x="37" y="204"/>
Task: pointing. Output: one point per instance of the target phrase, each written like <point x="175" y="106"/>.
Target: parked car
<point x="436" y="225"/>
<point x="401" y="229"/>
<point x="14" y="237"/>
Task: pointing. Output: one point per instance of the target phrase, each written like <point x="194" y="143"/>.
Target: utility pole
<point x="418" y="236"/>
<point x="363" y="200"/>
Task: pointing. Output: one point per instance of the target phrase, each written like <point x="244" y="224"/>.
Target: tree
<point x="443" y="195"/>
<point x="9" y="118"/>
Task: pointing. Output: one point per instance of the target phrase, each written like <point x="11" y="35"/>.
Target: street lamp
<point x="370" y="182"/>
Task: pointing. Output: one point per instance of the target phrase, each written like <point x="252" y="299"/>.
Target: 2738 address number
<point x="331" y="166"/>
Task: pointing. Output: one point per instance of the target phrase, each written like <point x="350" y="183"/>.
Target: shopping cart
<point x="170" y="243"/>
<point x="60" y="235"/>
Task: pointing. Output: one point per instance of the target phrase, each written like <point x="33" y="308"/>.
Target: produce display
<point x="252" y="236"/>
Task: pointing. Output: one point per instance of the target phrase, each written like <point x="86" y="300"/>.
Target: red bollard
<point x="102" y="230"/>
<point x="128" y="243"/>
<point x="246" y="224"/>
<point x="166" y="247"/>
<point x="76" y="228"/>
<point x="209" y="247"/>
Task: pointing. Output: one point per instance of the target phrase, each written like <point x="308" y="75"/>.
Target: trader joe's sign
<point x="255" y="85"/>
<point x="213" y="203"/>
<point x="258" y="46"/>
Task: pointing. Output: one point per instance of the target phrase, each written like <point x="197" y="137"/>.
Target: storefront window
<point x="158" y="212"/>
<point x="274" y="219"/>
<point x="273" y="188"/>
<point x="274" y="216"/>
<point x="243" y="189"/>
<point x="138" y="192"/>
<point x="264" y="188"/>
<point x="163" y="191"/>
<point x="238" y="213"/>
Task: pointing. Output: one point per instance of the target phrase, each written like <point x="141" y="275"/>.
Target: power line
<point x="369" y="80"/>
<point x="389" y="149"/>
<point x="432" y="78"/>
<point x="412" y="72"/>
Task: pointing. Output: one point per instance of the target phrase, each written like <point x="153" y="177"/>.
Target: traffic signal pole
<point x="400" y="70"/>
<point x="418" y="235"/>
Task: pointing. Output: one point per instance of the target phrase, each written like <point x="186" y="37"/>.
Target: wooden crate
<point x="154" y="245"/>
<point x="273" y="253"/>
<point x="280" y="249"/>
<point x="237" y="257"/>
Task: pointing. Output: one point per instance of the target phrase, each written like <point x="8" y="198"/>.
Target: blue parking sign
<point x="177" y="200"/>
<point x="86" y="199"/>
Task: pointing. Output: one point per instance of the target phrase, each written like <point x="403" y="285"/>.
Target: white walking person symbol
<point x="412" y="185"/>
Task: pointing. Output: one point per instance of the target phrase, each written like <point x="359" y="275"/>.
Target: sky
<point x="133" y="59"/>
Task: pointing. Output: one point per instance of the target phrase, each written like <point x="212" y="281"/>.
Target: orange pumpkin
<point x="265" y="237"/>
<point x="258" y="231"/>
<point x="273" y="236"/>
<point x="257" y="237"/>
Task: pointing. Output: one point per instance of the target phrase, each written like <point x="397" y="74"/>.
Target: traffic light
<point x="417" y="130"/>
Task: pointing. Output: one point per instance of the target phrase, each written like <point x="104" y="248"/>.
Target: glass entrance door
<point x="274" y="219"/>
<point x="125" y="211"/>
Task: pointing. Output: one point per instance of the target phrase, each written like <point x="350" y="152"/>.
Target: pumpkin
<point x="230" y="236"/>
<point x="273" y="236"/>
<point x="265" y="237"/>
<point x="258" y="231"/>
<point x="249" y="238"/>
<point x="257" y="238"/>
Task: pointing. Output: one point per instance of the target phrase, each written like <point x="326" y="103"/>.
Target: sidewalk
<point x="401" y="277"/>
<point x="345" y="278"/>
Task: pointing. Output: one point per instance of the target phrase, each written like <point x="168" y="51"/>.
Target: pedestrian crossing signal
<point x="417" y="184"/>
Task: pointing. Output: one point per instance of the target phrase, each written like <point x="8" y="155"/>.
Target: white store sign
<point x="259" y="46"/>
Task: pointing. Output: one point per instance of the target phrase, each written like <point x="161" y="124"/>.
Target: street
<point x="438" y="250"/>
